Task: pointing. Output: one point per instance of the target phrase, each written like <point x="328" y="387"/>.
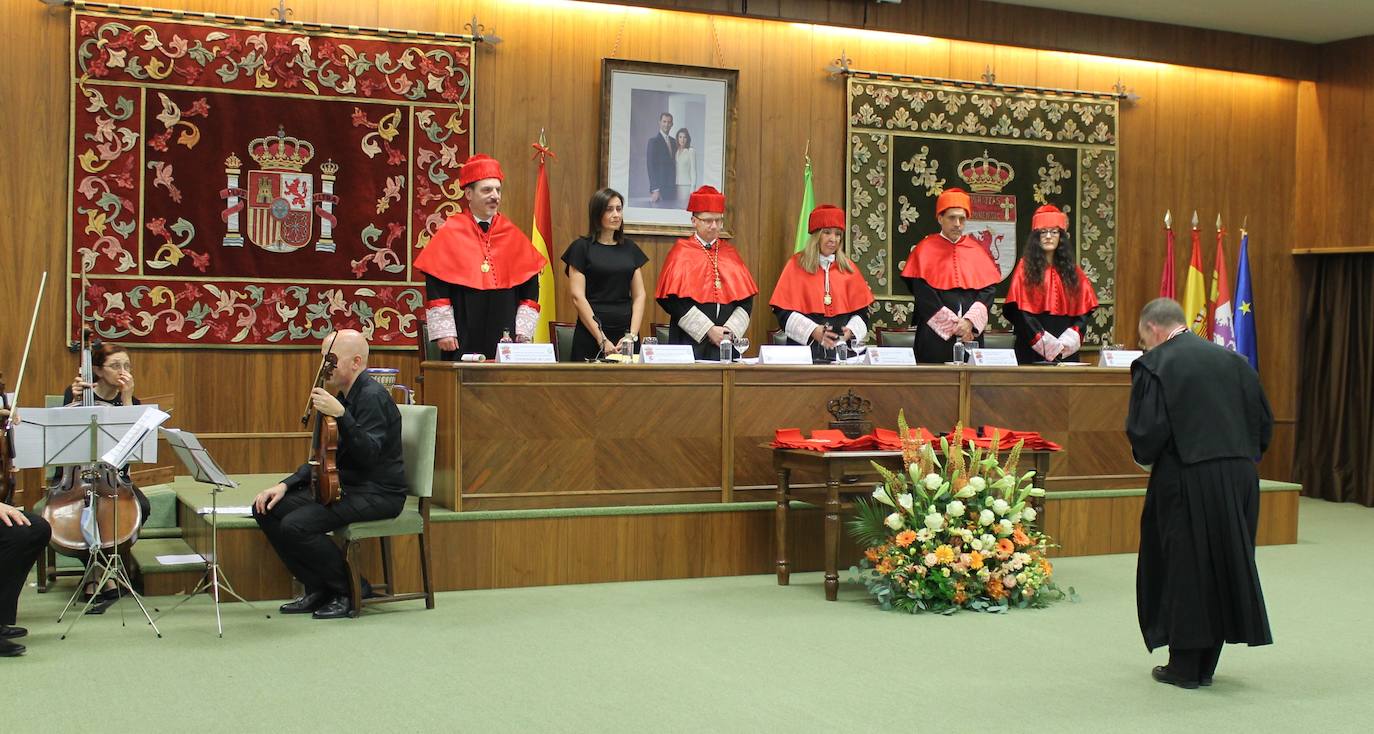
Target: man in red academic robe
<point x="952" y="278"/>
<point x="821" y="298"/>
<point x="704" y="285"/>
<point x="481" y="271"/>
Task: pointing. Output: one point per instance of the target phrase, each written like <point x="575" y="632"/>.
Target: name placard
<point x="667" y="354"/>
<point x="784" y="354"/>
<point x="891" y="356"/>
<point x="992" y="357"/>
<point x="516" y="353"/>
<point x="1118" y="357"/>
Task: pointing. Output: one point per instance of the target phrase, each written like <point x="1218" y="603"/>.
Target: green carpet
<point x="713" y="655"/>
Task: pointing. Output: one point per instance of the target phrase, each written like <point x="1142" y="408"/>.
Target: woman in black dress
<point x="1050" y="297"/>
<point x="604" y="270"/>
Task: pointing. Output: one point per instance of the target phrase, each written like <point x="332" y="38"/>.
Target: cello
<point x="99" y="488"/>
<point x="324" y="447"/>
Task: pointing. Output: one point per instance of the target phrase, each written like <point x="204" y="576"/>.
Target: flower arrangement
<point x="953" y="534"/>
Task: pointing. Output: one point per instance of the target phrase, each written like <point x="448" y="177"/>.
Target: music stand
<point x="204" y="470"/>
<point x="82" y="436"/>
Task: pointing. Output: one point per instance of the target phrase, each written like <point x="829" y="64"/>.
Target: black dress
<point x="609" y="270"/>
<point x="1199" y="416"/>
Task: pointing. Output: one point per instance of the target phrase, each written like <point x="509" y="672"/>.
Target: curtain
<point x="1334" y="455"/>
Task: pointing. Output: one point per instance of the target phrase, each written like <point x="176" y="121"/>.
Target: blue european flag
<point x="1246" y="345"/>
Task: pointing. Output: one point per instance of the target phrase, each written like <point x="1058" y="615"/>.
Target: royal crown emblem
<point x="992" y="223"/>
<point x="280" y="199"/>
<point x="985" y="174"/>
<point x="850" y="413"/>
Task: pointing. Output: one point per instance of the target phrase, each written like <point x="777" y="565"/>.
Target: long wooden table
<point x="556" y="436"/>
<point x="841" y="470"/>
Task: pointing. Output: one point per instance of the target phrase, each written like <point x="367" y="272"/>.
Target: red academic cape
<point x="687" y="273"/>
<point x="1050" y="296"/>
<point x="948" y="265"/>
<point x="456" y="253"/>
<point x="798" y="290"/>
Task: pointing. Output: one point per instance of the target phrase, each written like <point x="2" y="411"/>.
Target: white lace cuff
<point x="859" y="328"/>
<point x="799" y="328"/>
<point x="439" y="322"/>
<point x="738" y="323"/>
<point x="526" y="319"/>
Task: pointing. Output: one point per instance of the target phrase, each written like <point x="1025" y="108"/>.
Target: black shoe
<point x="9" y="633"/>
<point x="1164" y="675"/>
<point x="1205" y="681"/>
<point x="367" y="592"/>
<point x="101" y="604"/>
<point x="337" y="608"/>
<point x="305" y="603"/>
<point x="11" y="649"/>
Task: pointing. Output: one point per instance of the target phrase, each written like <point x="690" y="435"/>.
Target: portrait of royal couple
<point x="672" y="164"/>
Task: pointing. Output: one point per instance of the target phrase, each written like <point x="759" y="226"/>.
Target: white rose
<point x="904" y="499"/>
<point x="1000" y="506"/>
<point x="966" y="492"/>
<point x="880" y="494"/>
<point x="955" y="509"/>
<point x="1028" y="514"/>
<point x="967" y="534"/>
<point x="986" y="517"/>
<point x="988" y="540"/>
<point x="894" y="521"/>
<point x="933" y="482"/>
<point x="1004" y="528"/>
<point x="978" y="483"/>
<point x="1021" y="578"/>
<point x="976" y="544"/>
<point x="1016" y="517"/>
<point x="935" y="522"/>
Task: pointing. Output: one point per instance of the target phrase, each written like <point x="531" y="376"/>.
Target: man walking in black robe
<point x="1198" y="421"/>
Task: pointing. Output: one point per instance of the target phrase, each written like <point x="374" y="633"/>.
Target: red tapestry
<point x="235" y="184"/>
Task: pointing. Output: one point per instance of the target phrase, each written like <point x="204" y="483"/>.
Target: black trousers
<point x="1194" y="663"/>
<point x="298" y="528"/>
<point x="20" y="546"/>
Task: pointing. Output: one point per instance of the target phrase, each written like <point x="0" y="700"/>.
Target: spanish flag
<point x="541" y="234"/>
<point x="1195" y="290"/>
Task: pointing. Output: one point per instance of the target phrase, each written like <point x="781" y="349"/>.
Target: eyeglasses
<point x="708" y="222"/>
<point x="121" y="366"/>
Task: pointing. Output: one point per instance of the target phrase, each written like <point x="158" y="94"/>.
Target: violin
<point x="101" y="488"/>
<point x="324" y="446"/>
<point x="7" y="483"/>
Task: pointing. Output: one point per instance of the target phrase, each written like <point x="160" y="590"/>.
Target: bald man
<point x="371" y="474"/>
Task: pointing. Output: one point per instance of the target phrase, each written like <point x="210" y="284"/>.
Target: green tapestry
<point x="1013" y="151"/>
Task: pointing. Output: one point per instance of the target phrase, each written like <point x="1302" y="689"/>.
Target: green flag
<point x="808" y="203"/>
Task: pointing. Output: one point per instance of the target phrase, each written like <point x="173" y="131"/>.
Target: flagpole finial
<point x="806" y="154"/>
<point x="1218" y="220"/>
<point x="1168" y="218"/>
<point x="1244" y="224"/>
<point x="1194" y="219"/>
<point x="544" y="141"/>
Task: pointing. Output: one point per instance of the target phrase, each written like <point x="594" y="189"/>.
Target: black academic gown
<point x="1199" y="415"/>
<point x="482" y="316"/>
<point x="718" y="313"/>
<point x="930" y="347"/>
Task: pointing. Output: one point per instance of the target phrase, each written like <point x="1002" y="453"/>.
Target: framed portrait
<point x="665" y="131"/>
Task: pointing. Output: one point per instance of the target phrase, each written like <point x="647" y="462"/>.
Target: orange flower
<point x="872" y="555"/>
<point x="959" y="596"/>
<point x="1018" y="536"/>
<point x="906" y="538"/>
<point x="994" y="588"/>
<point x="1046" y="566"/>
<point x="944" y="554"/>
<point x="975" y="560"/>
<point x="1005" y="548"/>
<point x="885" y="567"/>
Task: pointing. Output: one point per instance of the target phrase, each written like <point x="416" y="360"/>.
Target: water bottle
<point x="627" y="350"/>
<point x="959" y="351"/>
<point x="727" y="348"/>
<point x="841" y="352"/>
<point x="505" y="337"/>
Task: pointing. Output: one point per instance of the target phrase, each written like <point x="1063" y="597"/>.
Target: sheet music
<point x="119" y="454"/>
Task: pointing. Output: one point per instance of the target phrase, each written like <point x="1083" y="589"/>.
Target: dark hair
<point x="1163" y="312"/>
<point x="662" y="115"/>
<point x="105" y="351"/>
<point x="1036" y="263"/>
<point x="684" y="131"/>
<point x="596" y="208"/>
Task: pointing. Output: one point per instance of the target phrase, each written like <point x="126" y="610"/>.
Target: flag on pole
<point x="1166" y="279"/>
<point x="541" y="234"/>
<point x="1220" y="308"/>
<point x="1245" y="308"/>
<point x="1195" y="288"/>
<point x="808" y="203"/>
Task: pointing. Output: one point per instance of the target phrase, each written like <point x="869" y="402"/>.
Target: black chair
<point x="896" y="337"/>
<point x="561" y="337"/>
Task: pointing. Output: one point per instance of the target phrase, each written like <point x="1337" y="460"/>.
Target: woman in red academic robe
<point x="1050" y="298"/>
<point x="821" y="298"/>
